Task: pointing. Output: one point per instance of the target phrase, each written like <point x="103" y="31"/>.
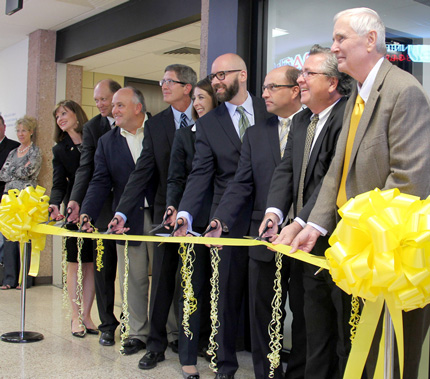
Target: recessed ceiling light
<point x="277" y="32"/>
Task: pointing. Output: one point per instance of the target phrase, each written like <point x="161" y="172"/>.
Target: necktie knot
<point x="184" y="122"/>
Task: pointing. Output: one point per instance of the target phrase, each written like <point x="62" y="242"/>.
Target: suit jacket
<point x="285" y="181"/>
<point x="217" y="155"/>
<point x="6" y="146"/>
<point x="259" y="157"/>
<point x="390" y="149"/>
<point x="65" y="162"/>
<point x="150" y="174"/>
<point x="181" y="159"/>
<point x="92" y="131"/>
<point x="113" y="166"/>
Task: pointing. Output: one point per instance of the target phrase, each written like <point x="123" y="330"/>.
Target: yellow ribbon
<point x="20" y="211"/>
<point x="380" y="251"/>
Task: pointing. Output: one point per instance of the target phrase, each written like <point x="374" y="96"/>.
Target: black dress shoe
<point x="150" y="360"/>
<point x="107" y="338"/>
<point x="133" y="345"/>
<point x="174" y="346"/>
<point x="224" y="376"/>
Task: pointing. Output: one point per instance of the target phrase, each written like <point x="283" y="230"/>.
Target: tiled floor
<point x="60" y="355"/>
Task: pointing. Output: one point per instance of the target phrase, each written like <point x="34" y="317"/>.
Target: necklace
<point x="21" y="151"/>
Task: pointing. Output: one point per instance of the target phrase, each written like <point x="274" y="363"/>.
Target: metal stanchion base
<point x="22" y="337"/>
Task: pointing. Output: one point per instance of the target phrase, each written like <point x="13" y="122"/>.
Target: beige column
<point x="41" y="85"/>
<point x="204" y="39"/>
<point x="74" y="83"/>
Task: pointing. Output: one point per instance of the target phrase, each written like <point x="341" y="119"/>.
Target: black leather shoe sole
<point x="133" y="346"/>
<point x="150" y="360"/>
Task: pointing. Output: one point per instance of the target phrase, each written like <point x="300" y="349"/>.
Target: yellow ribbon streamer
<point x="20" y="211"/>
<point x="380" y="251"/>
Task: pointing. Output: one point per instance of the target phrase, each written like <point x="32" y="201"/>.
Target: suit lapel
<point x="300" y="124"/>
<point x="226" y="124"/>
<point x="121" y="145"/>
<point x="368" y="109"/>
<point x="273" y="136"/>
<point x="169" y="124"/>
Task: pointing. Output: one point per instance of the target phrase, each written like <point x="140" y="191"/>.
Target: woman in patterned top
<point x="20" y="170"/>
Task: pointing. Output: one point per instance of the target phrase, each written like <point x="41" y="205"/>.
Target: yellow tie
<point x="355" y="119"/>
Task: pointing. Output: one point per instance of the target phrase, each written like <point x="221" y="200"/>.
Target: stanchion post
<point x="23" y="336"/>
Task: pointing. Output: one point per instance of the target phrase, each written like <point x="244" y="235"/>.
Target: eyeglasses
<point x="271" y="87"/>
<point x="220" y="75"/>
<point x="307" y="74"/>
<point x="170" y="82"/>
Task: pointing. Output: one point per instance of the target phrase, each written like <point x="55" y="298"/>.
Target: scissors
<point x="169" y="212"/>
<point x="109" y="229"/>
<point x="65" y="222"/>
<point x="260" y="237"/>
<point x="49" y="217"/>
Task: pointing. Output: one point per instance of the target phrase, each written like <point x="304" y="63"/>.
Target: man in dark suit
<point x="297" y="180"/>
<point x="115" y="158"/>
<point x="381" y="146"/>
<point x="262" y="148"/>
<point x="104" y="279"/>
<point x="218" y="143"/>
<point x="153" y="164"/>
<point x="6" y="145"/>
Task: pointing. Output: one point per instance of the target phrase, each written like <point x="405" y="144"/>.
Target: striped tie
<point x="184" y="122"/>
<point x="283" y="134"/>
<point x="308" y="143"/>
<point x="355" y="119"/>
<point x="243" y="122"/>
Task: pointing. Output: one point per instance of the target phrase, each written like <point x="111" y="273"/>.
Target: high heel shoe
<point x="91" y="331"/>
<point x="194" y="375"/>
<point x="80" y="334"/>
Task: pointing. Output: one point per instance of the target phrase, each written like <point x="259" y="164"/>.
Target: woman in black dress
<point x="69" y="119"/>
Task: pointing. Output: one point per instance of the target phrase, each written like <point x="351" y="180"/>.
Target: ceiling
<point x="143" y="59"/>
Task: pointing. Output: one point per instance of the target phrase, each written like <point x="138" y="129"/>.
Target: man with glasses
<point x="297" y="180"/>
<point x="262" y="149"/>
<point x="153" y="165"/>
<point x="383" y="145"/>
<point x="218" y="144"/>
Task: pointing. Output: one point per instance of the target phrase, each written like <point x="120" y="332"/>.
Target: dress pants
<point x="138" y="283"/>
<point x="188" y="348"/>
<point x="105" y="285"/>
<point x="12" y="264"/>
<point x="327" y="314"/>
<point x="164" y="281"/>
<point x="261" y="282"/>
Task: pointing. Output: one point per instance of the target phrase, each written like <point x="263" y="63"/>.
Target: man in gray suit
<point x="386" y="150"/>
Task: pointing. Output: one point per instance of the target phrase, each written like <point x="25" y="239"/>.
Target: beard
<point x="229" y="92"/>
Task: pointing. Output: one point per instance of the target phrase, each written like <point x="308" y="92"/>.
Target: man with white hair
<point x="380" y="146"/>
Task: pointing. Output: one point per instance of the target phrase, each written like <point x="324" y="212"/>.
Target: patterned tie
<point x="243" y="122"/>
<point x="355" y="119"/>
<point x="184" y="122"/>
<point x="283" y="134"/>
<point x="308" y="143"/>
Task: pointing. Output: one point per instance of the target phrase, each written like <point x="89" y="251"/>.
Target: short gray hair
<point x="329" y="67"/>
<point x="138" y="98"/>
<point x="184" y="73"/>
<point x="362" y="21"/>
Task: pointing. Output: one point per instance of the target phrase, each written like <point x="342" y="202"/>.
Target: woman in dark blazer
<point x="70" y="119"/>
<point x="180" y="166"/>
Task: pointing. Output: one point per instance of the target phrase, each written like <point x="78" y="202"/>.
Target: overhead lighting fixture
<point x="13" y="6"/>
<point x="277" y="32"/>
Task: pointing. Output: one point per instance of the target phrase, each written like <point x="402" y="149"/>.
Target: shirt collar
<point x="111" y="120"/>
<point x="139" y="130"/>
<point x="291" y="117"/>
<point x="247" y="105"/>
<point x="177" y="115"/>
<point x="365" y="89"/>
<point x="323" y="115"/>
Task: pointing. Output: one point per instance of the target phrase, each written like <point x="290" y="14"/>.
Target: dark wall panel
<point x="126" y="23"/>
